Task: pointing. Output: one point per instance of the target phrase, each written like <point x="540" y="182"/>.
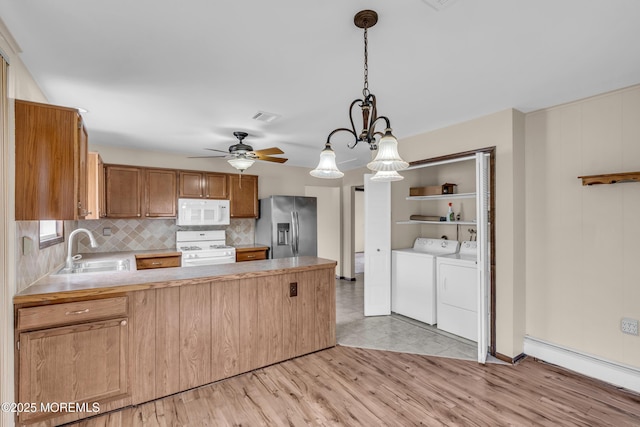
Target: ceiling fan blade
<point x="272" y="150"/>
<point x="205" y="157"/>
<point x="220" y="151"/>
<point x="272" y="159"/>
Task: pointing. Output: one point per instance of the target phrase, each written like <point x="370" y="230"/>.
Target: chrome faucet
<point x="70" y="257"/>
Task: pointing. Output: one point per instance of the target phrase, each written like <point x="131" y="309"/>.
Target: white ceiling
<point x="182" y="75"/>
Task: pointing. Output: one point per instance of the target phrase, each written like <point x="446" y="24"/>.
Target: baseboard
<point x="611" y="372"/>
<point x="511" y="360"/>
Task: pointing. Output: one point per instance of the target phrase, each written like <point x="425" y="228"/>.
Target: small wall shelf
<point x="610" y="178"/>
<point x="444" y="196"/>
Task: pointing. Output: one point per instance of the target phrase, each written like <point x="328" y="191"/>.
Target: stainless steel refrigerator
<point x="288" y="225"/>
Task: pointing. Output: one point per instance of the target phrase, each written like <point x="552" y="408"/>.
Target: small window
<point x="51" y="233"/>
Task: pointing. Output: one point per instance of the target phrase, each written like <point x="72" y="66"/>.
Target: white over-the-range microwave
<point x="203" y="212"/>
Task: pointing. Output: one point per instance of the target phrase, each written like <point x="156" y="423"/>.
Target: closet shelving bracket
<point x="610" y="178"/>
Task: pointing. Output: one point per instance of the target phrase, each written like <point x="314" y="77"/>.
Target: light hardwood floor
<point x="359" y="387"/>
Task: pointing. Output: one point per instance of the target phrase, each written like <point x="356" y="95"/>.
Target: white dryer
<point x="458" y="292"/>
<point x="413" y="278"/>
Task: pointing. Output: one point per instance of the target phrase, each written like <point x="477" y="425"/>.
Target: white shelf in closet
<point x="412" y="221"/>
<point x="444" y="196"/>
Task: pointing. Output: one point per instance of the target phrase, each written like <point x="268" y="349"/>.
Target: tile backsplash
<point x="37" y="262"/>
<point x="126" y="235"/>
<point x="136" y="235"/>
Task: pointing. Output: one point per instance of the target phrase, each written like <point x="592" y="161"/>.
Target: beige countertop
<point x="59" y="287"/>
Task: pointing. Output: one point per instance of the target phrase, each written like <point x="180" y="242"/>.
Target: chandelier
<point x="387" y="162"/>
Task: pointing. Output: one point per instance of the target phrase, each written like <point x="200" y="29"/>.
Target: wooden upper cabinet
<point x="51" y="162"/>
<point x="215" y="186"/>
<point x="190" y="185"/>
<point x="123" y="191"/>
<point x="243" y="196"/>
<point x="160" y="189"/>
<point x="81" y="178"/>
<point x="95" y="183"/>
<point x="133" y="192"/>
<point x="206" y="185"/>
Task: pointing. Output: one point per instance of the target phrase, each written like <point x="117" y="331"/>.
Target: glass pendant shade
<point x="387" y="176"/>
<point x="388" y="158"/>
<point x="327" y="167"/>
<point x="241" y="163"/>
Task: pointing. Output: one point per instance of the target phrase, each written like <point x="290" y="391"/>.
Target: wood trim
<point x="452" y="156"/>
<point x="511" y="360"/>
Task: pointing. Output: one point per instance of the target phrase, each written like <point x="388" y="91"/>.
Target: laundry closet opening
<point x="400" y="286"/>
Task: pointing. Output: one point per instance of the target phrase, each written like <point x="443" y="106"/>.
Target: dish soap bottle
<point x="450" y="216"/>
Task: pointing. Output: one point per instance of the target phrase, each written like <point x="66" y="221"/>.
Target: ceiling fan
<point x="241" y="155"/>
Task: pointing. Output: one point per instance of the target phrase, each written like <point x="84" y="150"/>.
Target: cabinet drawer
<point x="143" y="263"/>
<point x="251" y="255"/>
<point x="71" y="312"/>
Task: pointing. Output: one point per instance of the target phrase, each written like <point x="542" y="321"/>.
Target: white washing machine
<point x="413" y="278"/>
<point x="458" y="292"/>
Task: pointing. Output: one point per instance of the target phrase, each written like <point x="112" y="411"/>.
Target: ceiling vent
<point x="263" y="116"/>
<point x="439" y="4"/>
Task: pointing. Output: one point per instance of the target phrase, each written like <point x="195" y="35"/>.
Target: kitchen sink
<point x="96" y="266"/>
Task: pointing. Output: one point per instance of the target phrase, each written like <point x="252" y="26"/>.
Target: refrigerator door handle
<point x="295" y="225"/>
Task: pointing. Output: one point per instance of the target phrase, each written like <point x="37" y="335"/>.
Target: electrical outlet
<point x="629" y="326"/>
<point x="293" y="289"/>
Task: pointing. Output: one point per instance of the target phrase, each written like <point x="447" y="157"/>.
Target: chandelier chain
<point x="365" y="89"/>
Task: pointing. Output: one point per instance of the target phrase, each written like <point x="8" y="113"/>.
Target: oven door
<point x="207" y="260"/>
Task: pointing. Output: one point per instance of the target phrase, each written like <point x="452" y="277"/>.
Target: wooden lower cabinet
<point x="85" y="363"/>
<point x="252" y="254"/>
<point x="161" y="260"/>
<point x="157" y="342"/>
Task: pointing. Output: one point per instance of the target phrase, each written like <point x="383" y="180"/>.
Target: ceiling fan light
<point x="241" y="163"/>
<point x="385" y="176"/>
<point x="327" y="167"/>
<point x="388" y="158"/>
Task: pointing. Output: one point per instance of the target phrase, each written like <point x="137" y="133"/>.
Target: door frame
<point x="492" y="229"/>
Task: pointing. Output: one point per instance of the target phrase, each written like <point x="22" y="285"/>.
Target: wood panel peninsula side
<point x="98" y="342"/>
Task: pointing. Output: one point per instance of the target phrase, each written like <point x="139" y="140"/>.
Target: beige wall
<point x="582" y="242"/>
<point x="20" y="84"/>
<point x="329" y="222"/>
<point x="505" y="131"/>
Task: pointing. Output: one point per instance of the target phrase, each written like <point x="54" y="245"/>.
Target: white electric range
<point x="205" y="247"/>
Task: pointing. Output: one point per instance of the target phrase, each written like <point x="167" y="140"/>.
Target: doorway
<point x="358" y="229"/>
<point x="489" y="155"/>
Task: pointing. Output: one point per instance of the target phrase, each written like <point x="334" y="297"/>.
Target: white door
<point x="484" y="275"/>
<point x="377" y="247"/>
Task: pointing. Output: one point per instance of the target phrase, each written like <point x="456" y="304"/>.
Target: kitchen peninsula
<point x="122" y="338"/>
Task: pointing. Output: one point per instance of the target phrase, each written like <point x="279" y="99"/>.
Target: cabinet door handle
<point x="68" y="313"/>
<point x="123" y="323"/>
<point x="156" y="263"/>
<point x="251" y="256"/>
<point x="138" y="215"/>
